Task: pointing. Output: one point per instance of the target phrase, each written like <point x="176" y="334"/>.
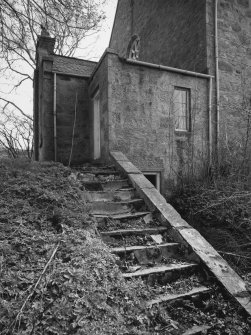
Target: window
<point x="182" y="105"/>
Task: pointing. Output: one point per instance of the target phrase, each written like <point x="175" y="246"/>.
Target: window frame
<point x="188" y="109"/>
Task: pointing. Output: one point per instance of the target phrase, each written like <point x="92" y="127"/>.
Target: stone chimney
<point x="45" y="43"/>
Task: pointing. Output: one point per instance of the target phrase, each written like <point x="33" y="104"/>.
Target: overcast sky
<point x="92" y="48"/>
<point x="98" y="43"/>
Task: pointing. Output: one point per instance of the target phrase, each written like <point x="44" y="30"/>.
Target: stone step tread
<point x="105" y="181"/>
<point x="197" y="330"/>
<point x="110" y="213"/>
<point x="99" y="172"/>
<point x="128" y="189"/>
<point x="142" y="247"/>
<point x="122" y="202"/>
<point x="171" y="296"/>
<point x="121" y="216"/>
<point x="159" y="269"/>
<point x="137" y="231"/>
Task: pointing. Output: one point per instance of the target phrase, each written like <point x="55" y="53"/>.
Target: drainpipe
<point x="217" y="86"/>
<point x="210" y="121"/>
<point x="55" y="115"/>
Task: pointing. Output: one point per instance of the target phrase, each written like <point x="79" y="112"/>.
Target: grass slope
<point x="81" y="291"/>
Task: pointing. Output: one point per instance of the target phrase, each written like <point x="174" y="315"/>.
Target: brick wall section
<point x="172" y="32"/>
<point x="142" y="119"/>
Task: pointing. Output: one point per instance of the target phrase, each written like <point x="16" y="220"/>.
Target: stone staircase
<point x="182" y="296"/>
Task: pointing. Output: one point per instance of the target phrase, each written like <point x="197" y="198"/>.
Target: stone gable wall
<point x="122" y="27"/>
<point x="234" y="68"/>
<point x="172" y="32"/>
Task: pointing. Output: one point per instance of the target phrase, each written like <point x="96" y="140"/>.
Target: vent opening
<point x="154" y="178"/>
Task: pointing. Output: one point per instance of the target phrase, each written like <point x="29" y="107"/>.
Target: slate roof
<point x="70" y="65"/>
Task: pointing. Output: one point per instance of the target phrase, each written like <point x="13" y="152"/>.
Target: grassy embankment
<point x="57" y="276"/>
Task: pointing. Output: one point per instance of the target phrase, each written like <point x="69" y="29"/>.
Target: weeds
<point x="75" y="288"/>
<point x="219" y="208"/>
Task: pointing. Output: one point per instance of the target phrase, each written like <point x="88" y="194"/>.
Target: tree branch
<point x="8" y="102"/>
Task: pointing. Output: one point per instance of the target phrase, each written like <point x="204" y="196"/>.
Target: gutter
<point x="169" y="68"/>
<point x="55" y="115"/>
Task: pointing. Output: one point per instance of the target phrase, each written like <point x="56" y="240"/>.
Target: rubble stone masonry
<point x="234" y="29"/>
<point x="181" y="33"/>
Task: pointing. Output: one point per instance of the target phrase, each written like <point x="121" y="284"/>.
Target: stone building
<point x="173" y="84"/>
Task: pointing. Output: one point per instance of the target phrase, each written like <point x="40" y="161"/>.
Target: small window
<point x="182" y="105"/>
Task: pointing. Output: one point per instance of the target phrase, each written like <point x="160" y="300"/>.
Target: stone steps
<point x="171" y="247"/>
<point x="146" y="253"/>
<point x="161" y="269"/>
<point x="121" y="216"/>
<point x="103" y="172"/>
<point x="140" y="231"/>
<point x="119" y="195"/>
<point x="197" y="330"/>
<point x="110" y="185"/>
<point x="187" y="295"/>
<point x="112" y="207"/>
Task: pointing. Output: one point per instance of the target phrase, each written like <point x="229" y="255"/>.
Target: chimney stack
<point x="45" y="43"/>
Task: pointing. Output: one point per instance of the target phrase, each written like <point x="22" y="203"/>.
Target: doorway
<point x="96" y="127"/>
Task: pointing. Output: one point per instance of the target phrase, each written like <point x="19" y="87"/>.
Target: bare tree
<point x="20" y="24"/>
<point x="16" y="135"/>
